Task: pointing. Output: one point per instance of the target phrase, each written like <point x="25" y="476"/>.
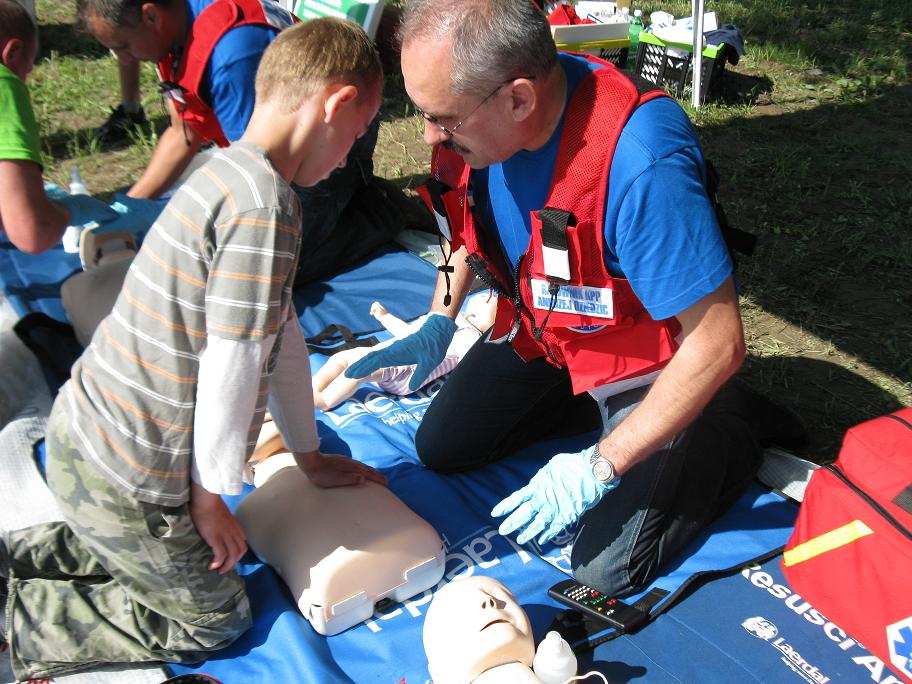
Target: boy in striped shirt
<point x="163" y="409"/>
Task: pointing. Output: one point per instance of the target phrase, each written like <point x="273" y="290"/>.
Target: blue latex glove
<point x="556" y="496"/>
<point x="83" y="208"/>
<point x="424" y="348"/>
<point x="135" y="214"/>
<point x="55" y="192"/>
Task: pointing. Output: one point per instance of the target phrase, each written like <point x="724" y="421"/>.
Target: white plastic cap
<point x="638" y="13"/>
<point x="554" y="662"/>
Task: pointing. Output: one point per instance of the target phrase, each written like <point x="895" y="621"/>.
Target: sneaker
<point x="120" y="124"/>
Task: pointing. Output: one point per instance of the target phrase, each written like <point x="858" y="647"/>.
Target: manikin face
<point x="472" y="625"/>
<point x="482" y="122"/>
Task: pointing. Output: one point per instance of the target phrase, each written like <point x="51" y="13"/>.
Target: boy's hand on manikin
<point x="334" y="470"/>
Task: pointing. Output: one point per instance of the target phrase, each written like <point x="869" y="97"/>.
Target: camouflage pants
<point x="120" y="581"/>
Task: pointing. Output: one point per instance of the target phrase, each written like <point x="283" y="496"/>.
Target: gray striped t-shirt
<point x="220" y="260"/>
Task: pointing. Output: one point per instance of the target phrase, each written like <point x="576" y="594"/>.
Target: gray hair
<point x="493" y="40"/>
<point x="117" y="12"/>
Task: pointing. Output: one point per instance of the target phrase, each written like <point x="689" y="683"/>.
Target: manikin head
<point x="473" y="625"/>
<point x="18" y="38"/>
<point x="318" y="88"/>
<point x="483" y="73"/>
<point x="136" y="30"/>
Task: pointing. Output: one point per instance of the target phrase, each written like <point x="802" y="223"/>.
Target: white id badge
<point x="597" y="302"/>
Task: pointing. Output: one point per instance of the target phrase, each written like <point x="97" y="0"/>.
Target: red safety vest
<point x="564" y="304"/>
<point x="181" y="79"/>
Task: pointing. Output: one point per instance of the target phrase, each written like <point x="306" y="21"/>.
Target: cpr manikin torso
<point x="475" y="632"/>
<point x="339" y="550"/>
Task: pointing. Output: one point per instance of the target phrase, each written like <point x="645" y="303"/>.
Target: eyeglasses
<point x="450" y="132"/>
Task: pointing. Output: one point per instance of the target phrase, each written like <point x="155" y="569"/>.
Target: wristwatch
<point x="603" y="469"/>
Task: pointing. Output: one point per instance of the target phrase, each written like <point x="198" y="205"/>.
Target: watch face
<point x="603" y="470"/>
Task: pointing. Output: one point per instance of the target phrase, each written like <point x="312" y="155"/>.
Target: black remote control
<point x="601" y="606"/>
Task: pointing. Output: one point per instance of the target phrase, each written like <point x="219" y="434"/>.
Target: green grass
<point x="810" y="135"/>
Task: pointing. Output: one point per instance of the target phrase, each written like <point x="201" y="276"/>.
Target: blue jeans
<point x="494" y="404"/>
<point x="665" y="500"/>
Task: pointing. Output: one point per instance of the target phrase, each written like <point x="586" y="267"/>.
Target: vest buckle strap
<point x="173" y="90"/>
<point x="555" y="247"/>
<point x="435" y="190"/>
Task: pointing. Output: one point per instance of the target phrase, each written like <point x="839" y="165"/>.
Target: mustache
<point x="452" y="146"/>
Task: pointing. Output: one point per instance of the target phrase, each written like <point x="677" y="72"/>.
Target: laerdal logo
<point x="369" y="404"/>
<point x="794" y="602"/>
<point x="762" y="628"/>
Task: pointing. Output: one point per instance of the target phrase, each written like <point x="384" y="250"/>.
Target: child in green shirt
<point x="30" y="220"/>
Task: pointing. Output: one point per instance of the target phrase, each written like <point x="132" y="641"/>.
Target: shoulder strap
<point x="736" y="240"/>
<point x="207" y="30"/>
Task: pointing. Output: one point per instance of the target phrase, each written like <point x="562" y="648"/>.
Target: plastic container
<point x="670" y="66"/>
<point x="554" y="662"/>
<point x="72" y="234"/>
<point x="608" y="41"/>
<point x="633" y="31"/>
<point x="77" y="187"/>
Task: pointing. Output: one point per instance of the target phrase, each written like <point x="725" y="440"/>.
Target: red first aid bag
<point x="851" y="552"/>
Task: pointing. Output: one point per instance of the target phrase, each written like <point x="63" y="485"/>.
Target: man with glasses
<point x="584" y="205"/>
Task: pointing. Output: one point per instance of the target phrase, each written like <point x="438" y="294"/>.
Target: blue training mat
<point x="399" y="280"/>
<point x="749" y="627"/>
<point x="379" y="429"/>
<point x="720" y="633"/>
<point x="31" y="282"/>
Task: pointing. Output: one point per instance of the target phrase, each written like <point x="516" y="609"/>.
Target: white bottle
<point x="77" y="187"/>
<point x="554" y="662"/>
<point x="72" y="233"/>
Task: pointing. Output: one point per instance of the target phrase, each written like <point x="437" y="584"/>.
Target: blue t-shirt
<point x="661" y="231"/>
<point x="227" y="84"/>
